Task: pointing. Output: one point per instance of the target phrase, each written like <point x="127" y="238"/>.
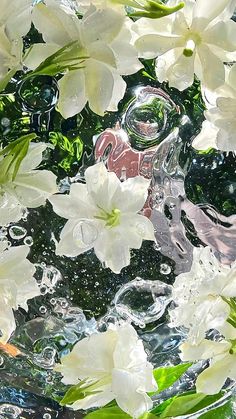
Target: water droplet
<point x="142" y="301"/>
<point x="10" y="411"/>
<point x="5" y="122"/>
<point x="28" y="240"/>
<point x="17" y="232"/>
<point x="38" y="93"/>
<point x="46" y="359"/>
<point x="1" y="360"/>
<point x="165" y="269"/>
<point x="46" y="416"/>
<point x="43" y="309"/>
<point x="85" y="233"/>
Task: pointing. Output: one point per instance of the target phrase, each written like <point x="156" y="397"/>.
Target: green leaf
<point x="185" y="404"/>
<point x="110" y="413"/>
<point x="79" y="392"/>
<point x="166" y="376"/>
<point x="148" y="415"/>
<point x="69" y="57"/>
<point x="222" y="412"/>
<point x="4" y="82"/>
<point x="14" y="153"/>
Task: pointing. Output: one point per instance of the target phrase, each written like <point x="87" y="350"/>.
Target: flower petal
<point x="207" y="137"/>
<point x="132" y="195"/>
<point x="210" y="79"/>
<point x="72" y="97"/>
<point x="206" y="349"/>
<point x="111" y="250"/>
<point x="33" y="188"/>
<point x="99" y="83"/>
<point x="212" y="379"/>
<point x="33" y="157"/>
<point x="128" y="397"/>
<point x="77" y="236"/>
<point x="7" y="321"/>
<point x="208" y="10"/>
<point x="38" y="53"/>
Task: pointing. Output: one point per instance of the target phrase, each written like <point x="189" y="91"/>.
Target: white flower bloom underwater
<point x="219" y="129"/>
<point x="114" y="366"/>
<point x="205" y="299"/>
<point x="198" y="38"/>
<point x="201" y="294"/>
<point x="98" y="50"/>
<point x="17" y="285"/>
<point x="28" y="187"/>
<point x="15" y="22"/>
<point x="103" y="214"/>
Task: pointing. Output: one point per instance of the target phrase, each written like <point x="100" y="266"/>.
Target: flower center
<point x="111" y="219"/>
<point x="192" y="40"/>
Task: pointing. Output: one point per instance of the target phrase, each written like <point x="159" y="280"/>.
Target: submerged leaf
<point x="166" y="376"/>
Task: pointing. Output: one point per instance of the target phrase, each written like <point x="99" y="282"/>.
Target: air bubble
<point x="165" y="269"/>
<point x="38" y="93"/>
<point x="28" y="240"/>
<point x="85" y="233"/>
<point x="17" y="232"/>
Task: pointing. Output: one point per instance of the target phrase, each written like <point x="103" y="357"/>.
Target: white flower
<point x="219" y="129"/>
<point x="222" y="366"/>
<point x="17" y="285"/>
<point x="198" y="295"/>
<point x="103" y="215"/>
<point x="15" y="22"/>
<point x="29" y="189"/>
<point x="196" y="40"/>
<point x="117" y="363"/>
<point x="104" y="53"/>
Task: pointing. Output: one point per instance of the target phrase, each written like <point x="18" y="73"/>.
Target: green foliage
<point x="13" y="155"/>
<point x="108" y="413"/>
<point x="166" y="376"/>
<point x="185" y="404"/>
<point x="70" y="57"/>
<point x="78" y="392"/>
<point x="222" y="412"/>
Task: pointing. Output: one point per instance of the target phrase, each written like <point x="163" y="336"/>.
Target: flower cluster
<point x="205" y="301"/>
<point x="111" y="366"/>
<point x="17" y="285"/>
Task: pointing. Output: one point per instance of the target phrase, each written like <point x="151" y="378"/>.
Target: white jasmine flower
<point x="101" y="51"/>
<point x="198" y="39"/>
<point x="200" y="295"/>
<point x="29" y="189"/>
<point x="17" y="285"/>
<point x="15" y="22"/>
<point x="103" y="214"/>
<point x="116" y="362"/>
<point x="218" y="131"/>
<point x="222" y="365"/>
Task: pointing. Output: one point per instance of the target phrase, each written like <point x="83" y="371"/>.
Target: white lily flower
<point x="198" y="39"/>
<point x="29" y="189"/>
<point x="103" y="214"/>
<point x="116" y="362"/>
<point x="15" y="22"/>
<point x="17" y="285"/>
<point x="222" y="365"/>
<point x="198" y="295"/>
<point x="104" y="54"/>
<point x="218" y="131"/>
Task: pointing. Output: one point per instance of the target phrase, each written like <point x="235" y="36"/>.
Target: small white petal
<point x="207" y="137"/>
<point x="212" y="379"/>
<point x="72" y="97"/>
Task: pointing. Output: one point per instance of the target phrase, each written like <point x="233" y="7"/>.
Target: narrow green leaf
<point x="185" y="404"/>
<point x="69" y="57"/>
<point x="79" y="392"/>
<point x="14" y="154"/>
<point x="4" y="82"/>
<point x="166" y="376"/>
<point x="109" y="413"/>
<point x="222" y="412"/>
